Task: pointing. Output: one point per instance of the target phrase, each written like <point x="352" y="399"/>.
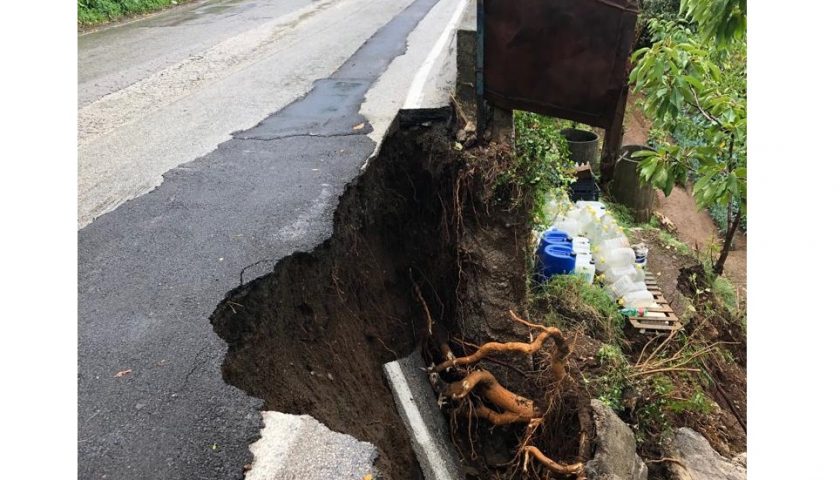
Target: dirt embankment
<point x="312" y="336"/>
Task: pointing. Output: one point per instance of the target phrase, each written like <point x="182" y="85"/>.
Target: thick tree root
<point x="508" y="407"/>
<point x="561" y="468"/>
<point x="498" y="419"/>
<point x="559" y="358"/>
<point x="490" y="390"/>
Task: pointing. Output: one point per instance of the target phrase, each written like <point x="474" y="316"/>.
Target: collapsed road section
<point x="416" y="236"/>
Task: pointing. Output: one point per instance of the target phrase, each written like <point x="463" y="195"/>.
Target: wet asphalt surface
<point x="152" y="402"/>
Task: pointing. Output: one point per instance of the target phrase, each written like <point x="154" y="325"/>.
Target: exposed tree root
<point x="481" y="396"/>
<point x="561" y="468"/>
<point x="419" y="295"/>
<point x="498" y="419"/>
<point x="493" y="392"/>
<point x="558" y="365"/>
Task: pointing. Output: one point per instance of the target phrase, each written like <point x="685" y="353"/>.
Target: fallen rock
<point x="698" y="460"/>
<point x="615" y="448"/>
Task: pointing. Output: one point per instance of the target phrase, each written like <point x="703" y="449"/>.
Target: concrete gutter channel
<point x="144" y="298"/>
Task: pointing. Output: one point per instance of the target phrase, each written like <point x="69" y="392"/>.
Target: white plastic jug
<point x="588" y="224"/>
<point x="637" y="299"/>
<point x="621" y="257"/>
<point x="587" y="271"/>
<point x="575" y="213"/>
<point x="613" y="274"/>
<point x="639" y="274"/>
<point x="578" y="240"/>
<point x="625" y="285"/>
<point x="568" y="225"/>
<point x="600" y="262"/>
<point x="597" y="207"/>
<point x="580" y="245"/>
<point x="583" y="259"/>
<point x="615" y="242"/>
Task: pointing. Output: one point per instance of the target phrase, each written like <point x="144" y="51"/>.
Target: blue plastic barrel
<point x="554" y="237"/>
<point x="556" y="260"/>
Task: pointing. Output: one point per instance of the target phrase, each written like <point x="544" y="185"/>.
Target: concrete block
<point x="424" y="421"/>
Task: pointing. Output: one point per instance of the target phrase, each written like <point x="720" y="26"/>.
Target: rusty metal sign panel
<point x="564" y="58"/>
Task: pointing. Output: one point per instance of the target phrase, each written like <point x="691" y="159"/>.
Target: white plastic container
<point x="580" y="245"/>
<point x="600" y="262"/>
<point x="588" y="224"/>
<point x="587" y="271"/>
<point x="578" y="240"/>
<point x="570" y="227"/>
<point x="621" y="284"/>
<point x="597" y="207"/>
<point x="613" y="274"/>
<point x="625" y="285"/>
<point x="639" y="274"/>
<point x="619" y="241"/>
<point x="637" y="299"/>
<point x="641" y="253"/>
<point x="583" y="259"/>
<point x="621" y="257"/>
<point x="574" y="213"/>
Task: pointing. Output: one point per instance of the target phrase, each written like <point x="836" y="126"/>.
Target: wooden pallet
<point x="668" y="323"/>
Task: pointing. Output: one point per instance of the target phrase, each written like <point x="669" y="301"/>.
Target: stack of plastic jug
<point x="607" y="251"/>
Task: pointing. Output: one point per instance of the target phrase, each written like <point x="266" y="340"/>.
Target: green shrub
<point x="698" y="403"/>
<point x="654" y="9"/>
<point x="92" y="12"/>
<point x="542" y="161"/>
<point x="610" y="355"/>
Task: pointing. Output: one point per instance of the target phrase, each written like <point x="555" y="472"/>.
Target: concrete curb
<point x="425" y="424"/>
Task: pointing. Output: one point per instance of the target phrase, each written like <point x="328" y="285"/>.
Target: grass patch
<point x="725" y="292"/>
<point x="610" y="387"/>
<point x="671" y="242"/>
<point x="571" y="301"/>
<point x="94" y="12"/>
<point x="621" y="214"/>
<point x="624" y="217"/>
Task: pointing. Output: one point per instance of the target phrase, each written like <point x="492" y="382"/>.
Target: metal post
<point x="481" y="105"/>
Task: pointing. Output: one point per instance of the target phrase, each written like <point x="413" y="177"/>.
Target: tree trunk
<point x="727" y="244"/>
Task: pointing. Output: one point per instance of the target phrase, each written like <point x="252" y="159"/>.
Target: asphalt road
<point x="215" y="138"/>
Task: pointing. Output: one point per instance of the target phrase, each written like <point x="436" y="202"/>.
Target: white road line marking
<point x="415" y="93"/>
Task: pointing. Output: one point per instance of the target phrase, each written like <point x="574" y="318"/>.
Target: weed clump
<point x="571" y="301"/>
<point x="92" y="12"/>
